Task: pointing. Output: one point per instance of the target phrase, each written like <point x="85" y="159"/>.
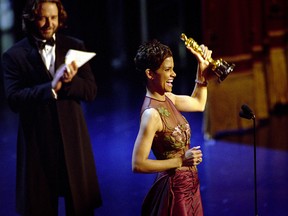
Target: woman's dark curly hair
<point x="30" y="12"/>
<point x="151" y="55"/>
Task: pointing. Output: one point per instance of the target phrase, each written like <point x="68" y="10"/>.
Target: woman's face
<point x="164" y="76"/>
<point x="47" y="20"/>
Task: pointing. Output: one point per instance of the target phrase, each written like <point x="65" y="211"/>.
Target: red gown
<point x="175" y="192"/>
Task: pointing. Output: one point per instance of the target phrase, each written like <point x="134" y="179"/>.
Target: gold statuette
<point x="220" y="67"/>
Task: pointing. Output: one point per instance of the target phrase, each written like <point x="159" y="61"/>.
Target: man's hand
<point x="70" y="72"/>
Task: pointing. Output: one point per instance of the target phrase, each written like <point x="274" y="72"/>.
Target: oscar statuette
<point x="220" y="67"/>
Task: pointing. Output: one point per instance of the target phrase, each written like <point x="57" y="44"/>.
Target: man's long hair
<point x="29" y="14"/>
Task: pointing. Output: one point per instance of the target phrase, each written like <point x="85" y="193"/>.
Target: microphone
<point x="246" y="112"/>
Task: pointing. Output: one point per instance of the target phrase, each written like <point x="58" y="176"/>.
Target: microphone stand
<point x="248" y="114"/>
<point x="255" y="176"/>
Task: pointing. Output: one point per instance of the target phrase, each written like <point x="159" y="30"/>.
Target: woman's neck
<point x="155" y="95"/>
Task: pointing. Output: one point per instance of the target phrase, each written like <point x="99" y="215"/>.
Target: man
<point x="54" y="153"/>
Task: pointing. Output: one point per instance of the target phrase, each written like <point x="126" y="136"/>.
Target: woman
<point x="164" y="130"/>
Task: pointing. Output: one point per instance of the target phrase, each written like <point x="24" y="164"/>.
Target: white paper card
<point x="80" y="57"/>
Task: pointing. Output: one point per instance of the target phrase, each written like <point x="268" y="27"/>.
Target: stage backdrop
<point x="252" y="35"/>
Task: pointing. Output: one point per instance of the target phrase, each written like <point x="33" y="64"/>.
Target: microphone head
<point x="246" y="111"/>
